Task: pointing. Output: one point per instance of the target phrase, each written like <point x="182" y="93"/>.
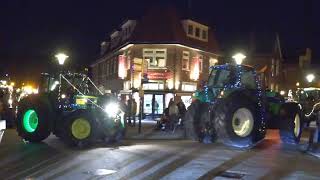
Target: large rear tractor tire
<point x="33" y="119"/>
<point x="291" y="124"/>
<point x="237" y="122"/>
<point x="198" y="126"/>
<point x="79" y="129"/>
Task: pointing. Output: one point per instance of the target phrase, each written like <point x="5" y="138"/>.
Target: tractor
<point x="70" y="106"/>
<point x="309" y="99"/>
<point x="234" y="109"/>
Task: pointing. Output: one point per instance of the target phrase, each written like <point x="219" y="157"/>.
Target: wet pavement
<point x="154" y="159"/>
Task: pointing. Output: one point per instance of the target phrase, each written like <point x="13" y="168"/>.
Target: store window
<point x="156" y="57"/>
<point x="153" y="86"/>
<point x="185" y="60"/>
<point x="190" y="87"/>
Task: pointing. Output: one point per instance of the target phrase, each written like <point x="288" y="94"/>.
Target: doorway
<point x="153" y="104"/>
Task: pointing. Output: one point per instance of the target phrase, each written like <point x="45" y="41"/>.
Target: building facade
<point x="170" y="53"/>
<point x="265" y="55"/>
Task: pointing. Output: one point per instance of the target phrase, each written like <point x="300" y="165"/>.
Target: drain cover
<point x="103" y="172"/>
<point x="232" y="175"/>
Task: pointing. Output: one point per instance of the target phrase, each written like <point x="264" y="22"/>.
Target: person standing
<point x="173" y="113"/>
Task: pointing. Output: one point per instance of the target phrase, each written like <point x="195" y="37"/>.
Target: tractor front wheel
<point x="291" y="124"/>
<point x="237" y="122"/>
<point x="78" y="129"/>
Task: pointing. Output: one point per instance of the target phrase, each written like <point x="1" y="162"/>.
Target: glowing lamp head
<point x="310" y="77"/>
<point x="282" y="93"/>
<point x="238" y="58"/>
<point x="61" y="57"/>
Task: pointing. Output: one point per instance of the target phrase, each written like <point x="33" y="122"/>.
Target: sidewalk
<point x="148" y="132"/>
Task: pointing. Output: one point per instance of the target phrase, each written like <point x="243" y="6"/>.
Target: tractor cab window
<point x="220" y="77"/>
<point x="248" y="80"/>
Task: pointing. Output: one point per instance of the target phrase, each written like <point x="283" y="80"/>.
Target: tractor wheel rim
<point x="242" y="122"/>
<point x="297" y="125"/>
<point x="81" y="128"/>
<point x="30" y="120"/>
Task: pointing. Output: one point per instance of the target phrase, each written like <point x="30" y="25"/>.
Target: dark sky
<point x="32" y="31"/>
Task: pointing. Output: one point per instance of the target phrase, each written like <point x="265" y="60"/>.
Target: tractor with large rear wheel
<point x="70" y="108"/>
<point x="235" y="110"/>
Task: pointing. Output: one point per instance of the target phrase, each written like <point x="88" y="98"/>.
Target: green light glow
<point x="30" y="120"/>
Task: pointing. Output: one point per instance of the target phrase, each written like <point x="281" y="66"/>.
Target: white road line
<point x="199" y="166"/>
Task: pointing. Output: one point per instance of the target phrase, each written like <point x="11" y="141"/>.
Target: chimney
<point x="104" y="47"/>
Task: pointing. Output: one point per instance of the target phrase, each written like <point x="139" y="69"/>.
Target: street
<point x="153" y="159"/>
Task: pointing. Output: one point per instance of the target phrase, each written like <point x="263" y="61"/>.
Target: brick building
<point x="177" y="53"/>
<point x="265" y="54"/>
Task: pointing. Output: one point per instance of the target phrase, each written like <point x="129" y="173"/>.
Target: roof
<point x="162" y="25"/>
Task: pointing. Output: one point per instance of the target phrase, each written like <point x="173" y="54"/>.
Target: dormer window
<point x="204" y="34"/>
<point x="196" y="30"/>
<point x="190" y="29"/>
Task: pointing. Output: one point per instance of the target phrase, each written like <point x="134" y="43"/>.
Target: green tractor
<point x="74" y="111"/>
<point x="309" y="99"/>
<point x="234" y="109"/>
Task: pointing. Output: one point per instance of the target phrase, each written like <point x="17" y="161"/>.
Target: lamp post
<point x="61" y="57"/>
<point x="310" y="78"/>
<point x="238" y="58"/>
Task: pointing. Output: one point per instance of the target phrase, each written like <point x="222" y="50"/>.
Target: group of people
<point x="173" y="115"/>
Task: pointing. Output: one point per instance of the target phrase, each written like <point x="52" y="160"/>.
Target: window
<point x="186" y="86"/>
<point x="190" y="29"/>
<point x="197" y="32"/>
<point x="277" y="67"/>
<point x="185" y="60"/>
<point x="272" y="67"/>
<point x="212" y="62"/>
<point x="248" y="80"/>
<point x="115" y="65"/>
<point x="200" y="63"/>
<point x="156" y="57"/>
<point x="204" y="34"/>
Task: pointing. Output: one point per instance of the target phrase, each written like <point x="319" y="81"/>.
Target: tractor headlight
<point x="112" y="109"/>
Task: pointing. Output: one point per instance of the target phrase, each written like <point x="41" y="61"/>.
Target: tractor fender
<point x="289" y="108"/>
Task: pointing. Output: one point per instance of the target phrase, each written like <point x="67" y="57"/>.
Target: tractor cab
<point x="228" y="78"/>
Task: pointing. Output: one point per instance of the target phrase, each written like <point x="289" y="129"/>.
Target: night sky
<point x="32" y="31"/>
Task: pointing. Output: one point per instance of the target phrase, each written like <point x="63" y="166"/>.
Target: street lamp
<point x="239" y="57"/>
<point x="61" y="57"/>
<point x="310" y="78"/>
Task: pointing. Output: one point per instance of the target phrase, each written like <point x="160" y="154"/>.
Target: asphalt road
<point x="153" y="159"/>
